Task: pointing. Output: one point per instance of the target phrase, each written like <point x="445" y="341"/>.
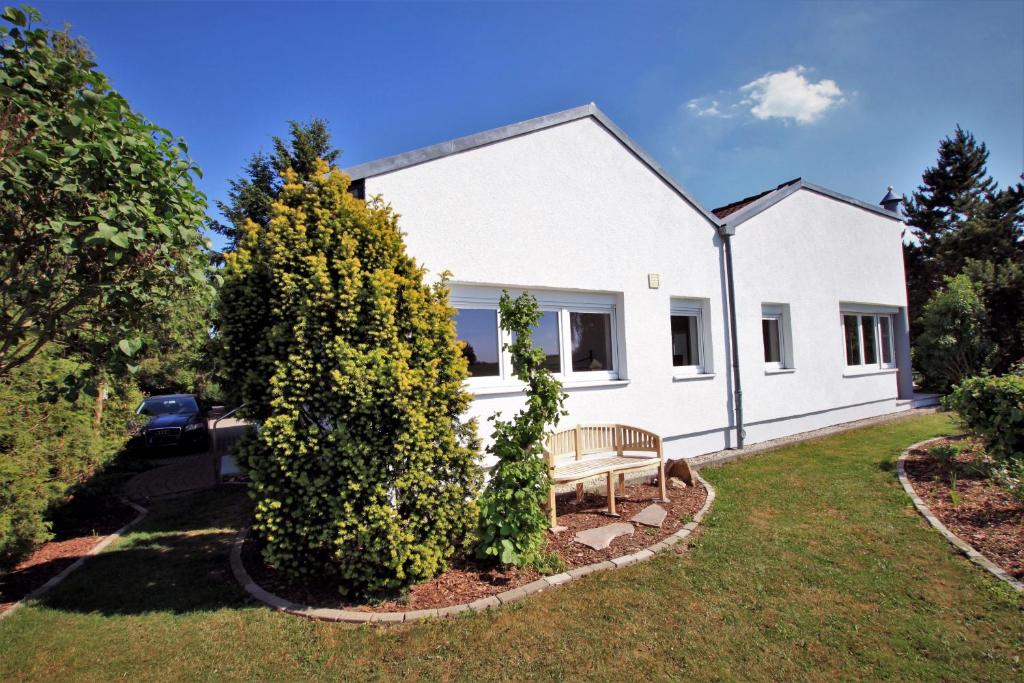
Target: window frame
<point x="880" y="345"/>
<point x="778" y="313"/>
<point x="560" y="303"/>
<point x="680" y="308"/>
<point x="487" y="380"/>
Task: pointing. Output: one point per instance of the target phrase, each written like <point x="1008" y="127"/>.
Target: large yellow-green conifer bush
<point x="361" y="470"/>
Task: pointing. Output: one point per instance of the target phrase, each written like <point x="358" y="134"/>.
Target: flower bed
<point x="977" y="510"/>
<point x="468" y="580"/>
<point x="50" y="559"/>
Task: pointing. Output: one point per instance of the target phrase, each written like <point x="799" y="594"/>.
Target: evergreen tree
<point x="962" y="220"/>
<point x="361" y="471"/>
<point x="251" y="196"/>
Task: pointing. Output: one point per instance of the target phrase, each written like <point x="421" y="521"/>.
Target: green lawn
<point x="812" y="565"/>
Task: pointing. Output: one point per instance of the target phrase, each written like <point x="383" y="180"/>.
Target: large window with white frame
<point x="868" y="339"/>
<point x="690" y="352"/>
<point x="577" y="331"/>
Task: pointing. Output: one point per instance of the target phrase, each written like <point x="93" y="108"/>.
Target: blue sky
<point x="732" y="98"/>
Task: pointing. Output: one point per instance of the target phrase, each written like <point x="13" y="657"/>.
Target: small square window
<point x="772" y="340"/>
<point x="686" y="340"/>
<point x="775" y="336"/>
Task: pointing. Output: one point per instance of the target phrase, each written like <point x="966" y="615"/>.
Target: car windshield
<point x="168" y="405"/>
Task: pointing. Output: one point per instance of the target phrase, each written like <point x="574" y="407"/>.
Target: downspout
<point x="725" y="234"/>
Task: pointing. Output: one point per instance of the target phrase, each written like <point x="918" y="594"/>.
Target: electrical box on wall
<point x="653" y="280"/>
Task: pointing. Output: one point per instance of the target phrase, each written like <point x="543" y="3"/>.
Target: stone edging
<point x="95" y="550"/>
<point x="329" y="614"/>
<point x="961" y="545"/>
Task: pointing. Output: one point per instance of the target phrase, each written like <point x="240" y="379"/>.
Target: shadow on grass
<point x="176" y="561"/>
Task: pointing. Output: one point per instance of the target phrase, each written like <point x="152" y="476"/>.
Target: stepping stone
<point x="652" y="515"/>
<point x="602" y="536"/>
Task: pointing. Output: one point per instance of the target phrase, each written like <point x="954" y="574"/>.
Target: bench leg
<point x="552" y="513"/>
<point x="579" y="493"/>
<point x="611" y="496"/>
<point x="622" y="485"/>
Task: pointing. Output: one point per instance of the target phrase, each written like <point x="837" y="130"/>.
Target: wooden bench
<point x="588" y="451"/>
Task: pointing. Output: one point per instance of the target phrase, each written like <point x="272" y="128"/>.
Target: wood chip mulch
<point x="468" y="580"/>
<point x="987" y="517"/>
<point x="53" y="557"/>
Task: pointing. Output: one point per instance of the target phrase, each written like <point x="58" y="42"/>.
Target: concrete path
<point x="184" y="473"/>
<point x="187" y="473"/>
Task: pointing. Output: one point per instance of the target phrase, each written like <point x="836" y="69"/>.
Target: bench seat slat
<point x="579" y="469"/>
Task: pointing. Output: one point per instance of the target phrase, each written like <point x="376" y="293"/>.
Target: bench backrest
<point x="576" y="443"/>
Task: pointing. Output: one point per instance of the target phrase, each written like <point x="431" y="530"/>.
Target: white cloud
<point x="697" y="106"/>
<point x="789" y="95"/>
<point x="785" y="95"/>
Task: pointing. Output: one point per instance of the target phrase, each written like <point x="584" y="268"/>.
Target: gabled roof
<point x="736" y="206"/>
<point x="743" y="210"/>
<point x="438" y="151"/>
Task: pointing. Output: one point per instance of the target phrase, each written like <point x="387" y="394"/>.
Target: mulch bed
<point x="53" y="557"/>
<point x="468" y="580"/>
<point x="987" y="517"/>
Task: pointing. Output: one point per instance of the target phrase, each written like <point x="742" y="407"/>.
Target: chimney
<point x="891" y="201"/>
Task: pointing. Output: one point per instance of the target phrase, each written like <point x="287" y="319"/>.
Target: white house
<point x="634" y="277"/>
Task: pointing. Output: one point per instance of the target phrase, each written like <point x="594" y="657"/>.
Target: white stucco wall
<point x="813" y="253"/>
<point x="570" y="208"/>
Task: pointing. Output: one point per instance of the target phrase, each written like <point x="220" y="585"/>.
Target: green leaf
<point x="15" y="16"/>
<point x="130" y="346"/>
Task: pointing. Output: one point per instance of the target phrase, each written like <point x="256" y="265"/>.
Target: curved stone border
<point x="329" y="614"/>
<point x="961" y="545"/>
<point x="95" y="550"/>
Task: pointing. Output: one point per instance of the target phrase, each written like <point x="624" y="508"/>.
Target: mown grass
<point x="812" y="566"/>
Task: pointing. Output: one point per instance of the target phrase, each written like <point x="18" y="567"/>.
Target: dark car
<point x="175" y="421"/>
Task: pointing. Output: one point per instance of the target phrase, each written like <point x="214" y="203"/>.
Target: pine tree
<point x="361" y="470"/>
<point x="251" y="196"/>
<point x="961" y="219"/>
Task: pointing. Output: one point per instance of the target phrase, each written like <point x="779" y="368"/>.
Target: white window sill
<point x="519" y="388"/>
<point x="687" y="376"/>
<point x="779" y="371"/>
<point x="865" y="372"/>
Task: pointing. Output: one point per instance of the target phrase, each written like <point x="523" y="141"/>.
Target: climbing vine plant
<point x="512" y="519"/>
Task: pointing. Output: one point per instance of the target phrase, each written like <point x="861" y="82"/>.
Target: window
<point x="577" y="332"/>
<point x="689" y="356"/>
<point x="868" y="340"/>
<point x="851" y="331"/>
<point x="772" y="340"/>
<point x="885" y="325"/>
<point x="477" y="329"/>
<point x="775" y="337"/>
<point x="546" y="336"/>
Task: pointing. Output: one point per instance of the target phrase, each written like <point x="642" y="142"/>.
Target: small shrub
<point x="993" y="409"/>
<point x="944" y="454"/>
<point x="954" y="495"/>
<point x="512" y="519"/>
